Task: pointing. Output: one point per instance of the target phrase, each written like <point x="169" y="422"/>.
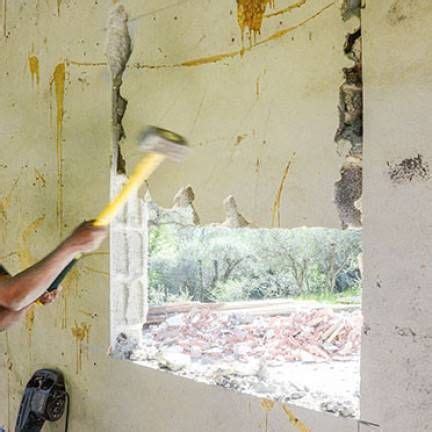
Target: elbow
<point x="10" y="297"/>
<point x="12" y="302"/>
<point x="9" y="317"/>
<point x="13" y="305"/>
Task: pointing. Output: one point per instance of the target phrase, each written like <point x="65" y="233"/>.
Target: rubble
<point x="270" y="356"/>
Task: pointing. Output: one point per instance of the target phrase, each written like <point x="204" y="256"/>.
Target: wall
<point x="396" y="375"/>
<point x="55" y="167"/>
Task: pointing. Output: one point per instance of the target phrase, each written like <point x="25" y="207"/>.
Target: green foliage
<point x="211" y="264"/>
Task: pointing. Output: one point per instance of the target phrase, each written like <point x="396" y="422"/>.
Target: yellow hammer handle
<point x="141" y="173"/>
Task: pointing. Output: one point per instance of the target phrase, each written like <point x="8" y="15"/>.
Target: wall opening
<point x="270" y="312"/>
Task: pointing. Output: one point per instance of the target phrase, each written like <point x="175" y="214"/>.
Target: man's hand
<point x="49" y="297"/>
<point x="86" y="237"/>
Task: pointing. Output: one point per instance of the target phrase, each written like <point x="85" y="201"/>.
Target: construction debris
<point x="255" y="353"/>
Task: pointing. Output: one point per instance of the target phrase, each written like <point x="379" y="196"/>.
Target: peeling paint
<point x="290" y="8"/>
<point x="81" y="333"/>
<point x="295" y="421"/>
<point x="238" y="53"/>
<point x="278" y="197"/>
<point x="58" y="80"/>
<point x="33" y="63"/>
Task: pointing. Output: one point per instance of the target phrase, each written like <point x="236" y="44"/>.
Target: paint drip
<point x="295" y="421"/>
<point x="58" y="80"/>
<point x="33" y="63"/>
<point x="276" y="217"/>
<point x="250" y="14"/>
<point x="81" y="333"/>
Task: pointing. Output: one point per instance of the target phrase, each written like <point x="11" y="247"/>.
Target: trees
<point x="213" y="263"/>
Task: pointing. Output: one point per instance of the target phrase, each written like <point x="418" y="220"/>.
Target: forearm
<point x="26" y="287"/>
<point x="9" y="317"/>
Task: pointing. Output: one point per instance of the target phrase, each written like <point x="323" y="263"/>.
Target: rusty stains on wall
<point x="81" y="334"/>
<point x="26" y="259"/>
<point x="216" y="58"/>
<point x="238" y="53"/>
<point x="40" y="179"/>
<point x="5" y="203"/>
<point x="33" y="63"/>
<point x="250" y="14"/>
<point x="278" y="197"/>
<point x="295" y="421"/>
<point x="70" y="283"/>
<point x="267" y="405"/>
<point x="29" y="320"/>
<point x="58" y="80"/>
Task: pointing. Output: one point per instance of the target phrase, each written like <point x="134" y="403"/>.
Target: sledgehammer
<point x="158" y="145"/>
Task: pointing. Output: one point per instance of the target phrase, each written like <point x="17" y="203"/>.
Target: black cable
<point x="67" y="412"/>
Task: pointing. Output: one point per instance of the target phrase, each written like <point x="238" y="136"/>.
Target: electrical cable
<point x="67" y="412"/>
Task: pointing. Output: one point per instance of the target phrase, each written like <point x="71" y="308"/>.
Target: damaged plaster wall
<point x="57" y="143"/>
<point x="260" y="114"/>
<point x="349" y="135"/>
<point x="397" y="235"/>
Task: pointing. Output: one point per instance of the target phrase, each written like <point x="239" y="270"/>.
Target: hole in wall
<point x="270" y="312"/>
<point x="219" y="302"/>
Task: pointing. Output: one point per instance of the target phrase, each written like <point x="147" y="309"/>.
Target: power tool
<point x="45" y="399"/>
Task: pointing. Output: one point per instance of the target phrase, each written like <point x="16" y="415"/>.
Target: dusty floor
<point x="309" y="356"/>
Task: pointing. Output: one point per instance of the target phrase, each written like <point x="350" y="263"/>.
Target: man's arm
<point x="20" y="291"/>
<point x="9" y="317"/>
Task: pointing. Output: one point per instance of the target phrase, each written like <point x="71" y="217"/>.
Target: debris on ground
<point x="271" y="356"/>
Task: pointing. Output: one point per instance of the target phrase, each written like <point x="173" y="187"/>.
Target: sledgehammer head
<point x="164" y="142"/>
